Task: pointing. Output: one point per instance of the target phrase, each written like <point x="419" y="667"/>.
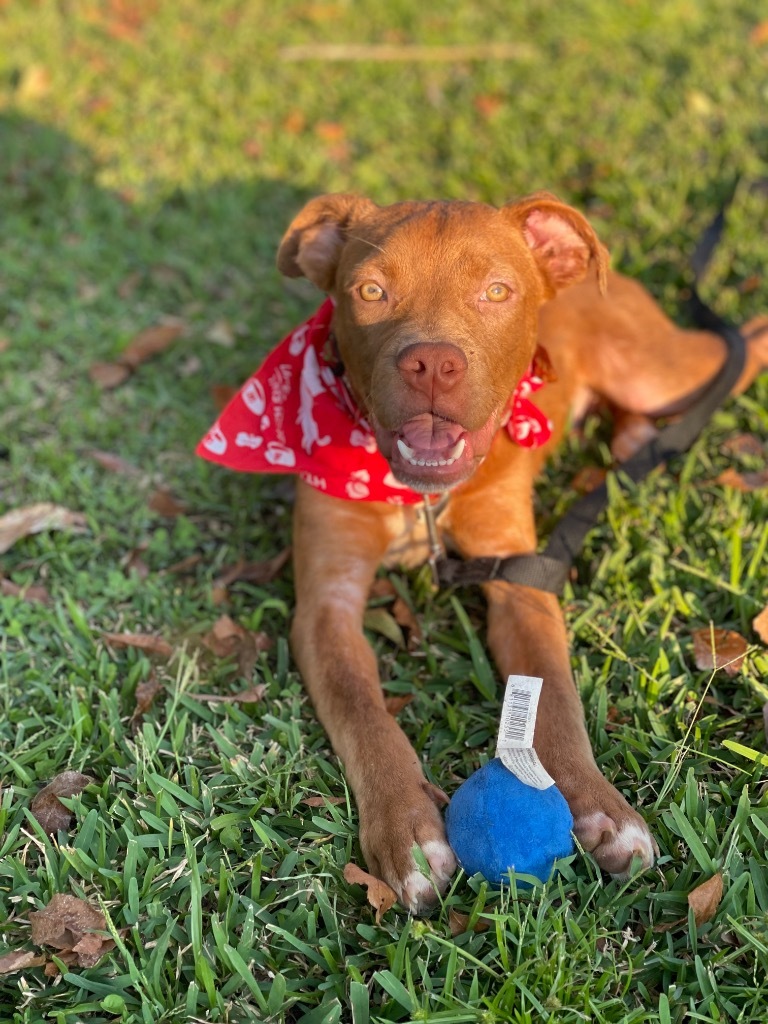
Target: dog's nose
<point x="432" y="367"/>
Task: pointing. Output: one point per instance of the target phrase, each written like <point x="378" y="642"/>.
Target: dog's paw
<point x="615" y="835"/>
<point x="391" y="829"/>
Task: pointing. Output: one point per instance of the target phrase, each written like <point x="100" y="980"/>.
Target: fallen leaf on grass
<point x="250" y="696"/>
<point x="22" y="522"/>
<point x="143" y="641"/>
<point x="164" y="503"/>
<point x="744" y="444"/>
<point x="143" y="346"/>
<point x="719" y="648"/>
<point x="49" y="810"/>
<point x="253" y="572"/>
<point x="588" y="479"/>
<point x="27" y="592"/>
<point x="705" y="899"/>
<point x="395" y="705"/>
<point x="743" y="481"/>
<point x="150" y="342"/>
<point x="108" y="376"/>
<point x="459" y="923"/>
<point x="19" y="960"/>
<point x="71" y="925"/>
<point x="759" y="34"/>
<point x="382" y="588"/>
<point x="222" y="395"/>
<point x="144" y="698"/>
<point x="184" y="565"/>
<point x="760" y="625"/>
<point x="227" y="639"/>
<point x="380" y="896"/>
<point x="405" y="617"/>
<point x="114" y="463"/>
<point x="321" y="801"/>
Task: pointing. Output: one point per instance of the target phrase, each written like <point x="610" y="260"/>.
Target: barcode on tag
<point x="518" y="715"/>
<point x="518" y="721"/>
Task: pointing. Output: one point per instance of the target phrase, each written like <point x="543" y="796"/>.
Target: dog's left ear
<point x="561" y="239"/>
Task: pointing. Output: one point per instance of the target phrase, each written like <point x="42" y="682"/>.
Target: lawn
<point x="151" y="153"/>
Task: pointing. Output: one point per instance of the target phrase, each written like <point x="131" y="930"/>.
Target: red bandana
<point x="294" y="415"/>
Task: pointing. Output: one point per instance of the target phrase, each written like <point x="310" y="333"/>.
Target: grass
<point x="150" y="156"/>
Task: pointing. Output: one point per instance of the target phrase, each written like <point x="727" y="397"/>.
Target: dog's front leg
<point x="337" y="548"/>
<point x="527" y="636"/>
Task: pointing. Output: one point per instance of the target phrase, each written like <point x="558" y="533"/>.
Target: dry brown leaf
<point x="744" y="481"/>
<point x="705" y="899"/>
<point x="22" y="522"/>
<point x="253" y="572"/>
<point x="405" y="617"/>
<point x="133" y="562"/>
<point x="185" y="564"/>
<point x="588" y="479"/>
<point x="380" y="896"/>
<point x="228" y="639"/>
<point x="730" y="648"/>
<point x="222" y="395"/>
<point x="49" y="810"/>
<point x="164" y="503"/>
<point x="144" y="698"/>
<point x="20" y="960"/>
<point x="150" y="342"/>
<point x="395" y="704"/>
<point x="250" y="696"/>
<point x="744" y="444"/>
<point x="108" y="376"/>
<point x="759" y="34"/>
<point x="114" y="463"/>
<point x="321" y="801"/>
<point x="71" y="925"/>
<point x="760" y="624"/>
<point x="143" y="641"/>
<point x="27" y="591"/>
<point x="382" y="588"/>
<point x="459" y="923"/>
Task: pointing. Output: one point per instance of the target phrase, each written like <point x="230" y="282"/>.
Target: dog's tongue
<point x="428" y="433"/>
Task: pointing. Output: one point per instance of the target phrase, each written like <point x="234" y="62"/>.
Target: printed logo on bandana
<point x="294" y="415"/>
<point x="244" y="440"/>
<point x="357" y="488"/>
<point x="215" y="441"/>
<point x="362" y="439"/>
<point x="254" y="397"/>
<point x="280" y="455"/>
<point x="311" y="387"/>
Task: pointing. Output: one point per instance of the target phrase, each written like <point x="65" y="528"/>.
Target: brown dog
<point x="439" y="308"/>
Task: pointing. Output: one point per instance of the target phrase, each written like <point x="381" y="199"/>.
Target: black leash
<point x="550" y="570"/>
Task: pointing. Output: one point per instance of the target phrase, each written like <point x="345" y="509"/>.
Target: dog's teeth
<point x="457" y="450"/>
<point x="405" y="450"/>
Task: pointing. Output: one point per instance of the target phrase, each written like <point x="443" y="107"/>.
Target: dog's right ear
<point x="312" y="244"/>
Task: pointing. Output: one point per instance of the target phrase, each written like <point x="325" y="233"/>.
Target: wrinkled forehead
<point x="436" y="240"/>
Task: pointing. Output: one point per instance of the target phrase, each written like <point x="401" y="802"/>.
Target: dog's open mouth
<point x="431" y="454"/>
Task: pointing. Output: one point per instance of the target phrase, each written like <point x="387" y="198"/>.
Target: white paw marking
<point x="418" y="891"/>
<point x="633" y="840"/>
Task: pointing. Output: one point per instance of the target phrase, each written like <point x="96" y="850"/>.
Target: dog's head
<point x="436" y="313"/>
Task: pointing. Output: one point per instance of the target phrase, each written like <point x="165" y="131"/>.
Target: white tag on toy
<point x="514" y="746"/>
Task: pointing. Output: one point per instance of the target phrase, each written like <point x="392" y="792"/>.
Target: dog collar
<point x="296" y="415"/>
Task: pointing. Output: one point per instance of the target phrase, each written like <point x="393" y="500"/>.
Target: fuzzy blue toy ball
<point x="496" y="823"/>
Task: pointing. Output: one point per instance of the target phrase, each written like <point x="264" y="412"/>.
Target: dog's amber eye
<point x="497" y="292"/>
<point x="370" y="291"/>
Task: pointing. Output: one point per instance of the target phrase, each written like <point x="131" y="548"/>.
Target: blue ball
<point x="496" y="823"/>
